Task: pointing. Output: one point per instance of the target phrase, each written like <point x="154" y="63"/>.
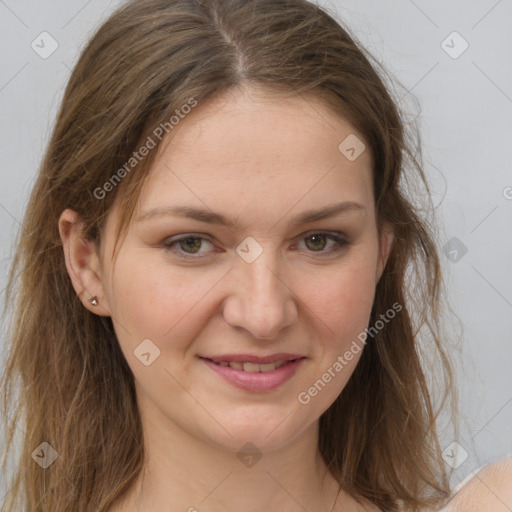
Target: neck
<point x="195" y="475"/>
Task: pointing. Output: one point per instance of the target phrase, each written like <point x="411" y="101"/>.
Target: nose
<point x="261" y="300"/>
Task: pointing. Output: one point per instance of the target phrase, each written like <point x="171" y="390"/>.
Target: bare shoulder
<point x="489" y="490"/>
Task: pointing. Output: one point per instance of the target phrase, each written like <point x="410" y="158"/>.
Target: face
<point x="249" y="268"/>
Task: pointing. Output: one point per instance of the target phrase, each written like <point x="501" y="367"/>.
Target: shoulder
<point x="490" y="489"/>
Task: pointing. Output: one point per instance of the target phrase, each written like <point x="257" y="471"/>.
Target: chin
<point x="264" y="432"/>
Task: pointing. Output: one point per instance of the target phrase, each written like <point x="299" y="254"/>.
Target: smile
<point x="256" y="377"/>
<point x="252" y="367"/>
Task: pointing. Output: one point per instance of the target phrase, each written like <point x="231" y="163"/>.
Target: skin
<point x="261" y="161"/>
<point x="489" y="490"/>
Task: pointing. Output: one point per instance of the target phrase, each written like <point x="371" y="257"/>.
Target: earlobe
<point x="82" y="263"/>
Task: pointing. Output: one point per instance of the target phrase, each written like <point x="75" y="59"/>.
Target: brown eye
<point x="189" y="246"/>
<point x="317" y="242"/>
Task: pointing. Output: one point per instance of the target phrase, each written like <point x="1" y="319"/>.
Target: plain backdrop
<point x="453" y="57"/>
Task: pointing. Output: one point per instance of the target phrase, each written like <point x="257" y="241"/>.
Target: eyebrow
<point x="211" y="217"/>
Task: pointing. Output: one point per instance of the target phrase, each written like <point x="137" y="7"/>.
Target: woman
<point x="222" y="279"/>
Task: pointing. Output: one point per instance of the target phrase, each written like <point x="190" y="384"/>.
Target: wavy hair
<point x="65" y="371"/>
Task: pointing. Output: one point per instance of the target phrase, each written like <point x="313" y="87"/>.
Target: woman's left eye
<point x="318" y="242"/>
<point x="190" y="245"/>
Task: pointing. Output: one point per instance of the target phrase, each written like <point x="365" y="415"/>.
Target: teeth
<point x="253" y="367"/>
<point x="267" y="367"/>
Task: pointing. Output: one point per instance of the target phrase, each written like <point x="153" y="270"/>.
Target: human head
<point x="198" y="50"/>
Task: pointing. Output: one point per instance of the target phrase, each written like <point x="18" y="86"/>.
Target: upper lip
<point x="252" y="358"/>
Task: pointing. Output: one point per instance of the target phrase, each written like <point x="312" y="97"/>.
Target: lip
<point x="256" y="381"/>
<point x="251" y="358"/>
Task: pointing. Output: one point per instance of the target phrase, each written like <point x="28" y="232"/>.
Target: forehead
<point x="246" y="148"/>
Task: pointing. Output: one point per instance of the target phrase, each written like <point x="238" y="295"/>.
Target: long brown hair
<point x="66" y="381"/>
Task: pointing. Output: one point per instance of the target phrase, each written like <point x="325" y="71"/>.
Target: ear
<point x="385" y="245"/>
<point x="82" y="263"/>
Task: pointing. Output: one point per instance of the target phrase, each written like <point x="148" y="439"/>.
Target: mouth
<point x="251" y="367"/>
<point x="253" y="373"/>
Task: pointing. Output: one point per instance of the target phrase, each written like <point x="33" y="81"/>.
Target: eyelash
<point x="336" y="237"/>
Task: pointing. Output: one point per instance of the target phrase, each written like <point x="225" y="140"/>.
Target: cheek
<point x="155" y="301"/>
<point x="342" y="301"/>
<point x="342" y="310"/>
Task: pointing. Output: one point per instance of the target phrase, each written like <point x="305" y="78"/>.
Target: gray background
<point x="466" y="109"/>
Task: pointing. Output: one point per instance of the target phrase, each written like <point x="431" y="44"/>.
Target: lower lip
<point x="255" y="381"/>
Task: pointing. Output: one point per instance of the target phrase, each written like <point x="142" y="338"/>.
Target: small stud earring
<point x="93" y="301"/>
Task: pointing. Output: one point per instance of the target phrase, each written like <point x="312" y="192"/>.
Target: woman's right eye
<point x="186" y="246"/>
